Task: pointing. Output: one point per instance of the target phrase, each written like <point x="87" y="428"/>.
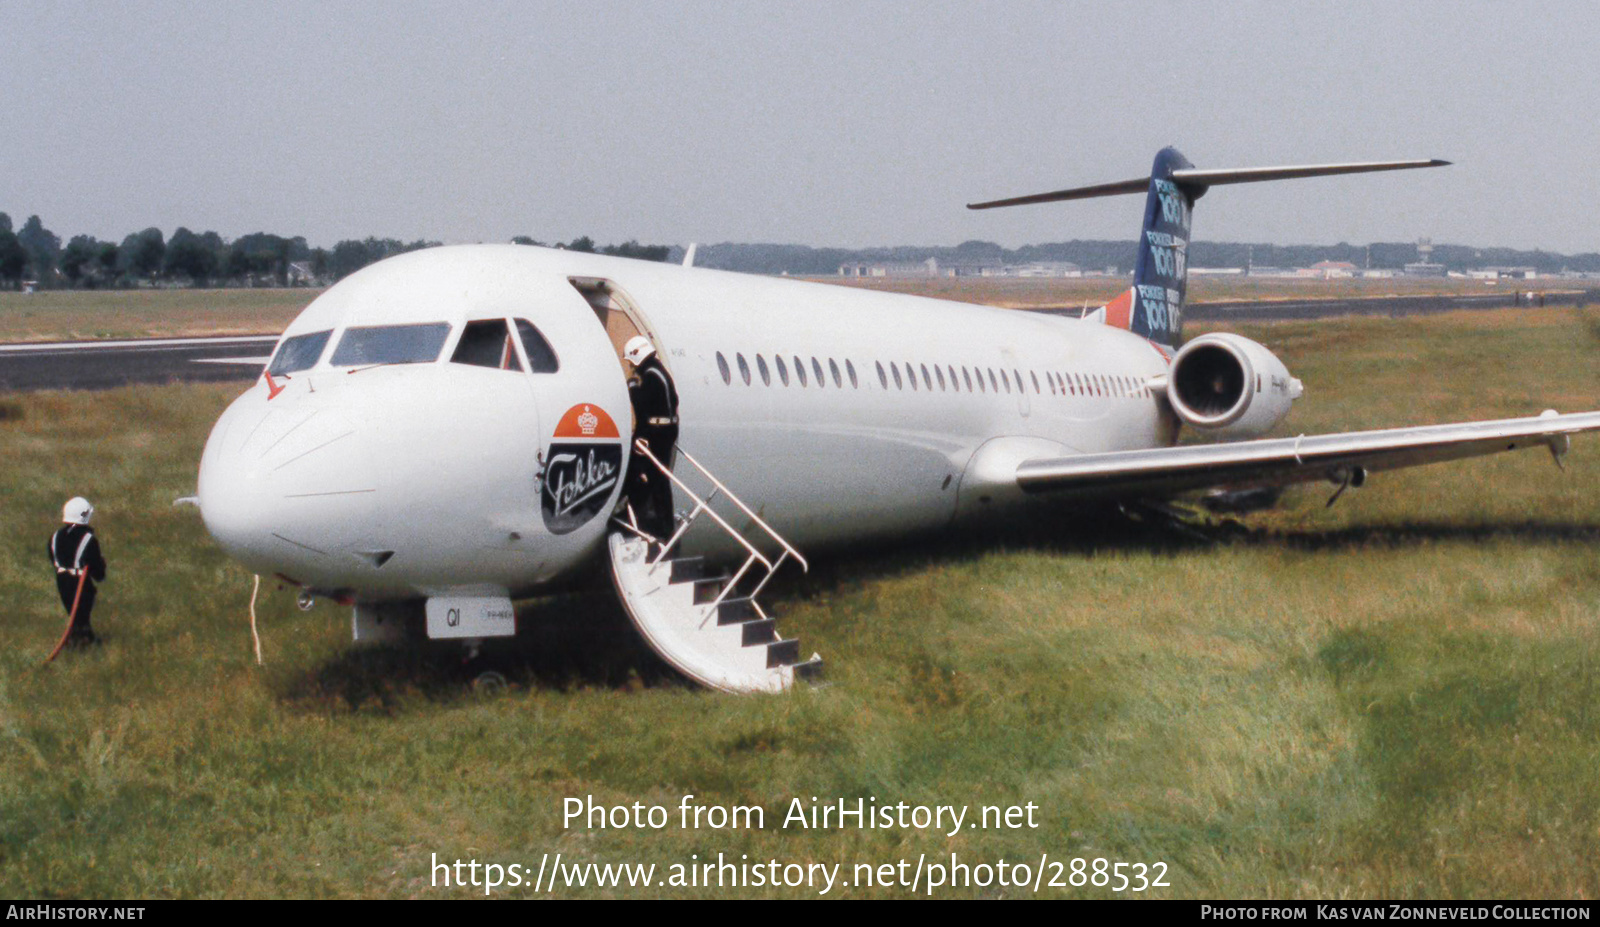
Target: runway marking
<point x="252" y="361"/>
<point x="136" y="343"/>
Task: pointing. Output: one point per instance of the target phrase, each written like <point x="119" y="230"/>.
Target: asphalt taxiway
<point x="105" y="364"/>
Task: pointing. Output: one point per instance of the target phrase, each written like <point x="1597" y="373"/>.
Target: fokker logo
<point x="578" y="481"/>
<point x="586" y="420"/>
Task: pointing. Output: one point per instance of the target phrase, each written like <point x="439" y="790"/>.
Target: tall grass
<point x="1394" y="697"/>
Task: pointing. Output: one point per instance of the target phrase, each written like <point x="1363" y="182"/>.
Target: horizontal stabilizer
<point x="1198" y="180"/>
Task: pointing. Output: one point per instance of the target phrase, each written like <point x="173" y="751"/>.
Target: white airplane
<point x="450" y="429"/>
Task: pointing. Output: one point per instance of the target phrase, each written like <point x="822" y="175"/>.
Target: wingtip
<point x="1440" y="162"/>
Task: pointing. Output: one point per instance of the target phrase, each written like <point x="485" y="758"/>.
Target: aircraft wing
<point x="1280" y="461"/>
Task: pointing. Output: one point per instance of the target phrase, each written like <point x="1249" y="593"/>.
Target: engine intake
<point x="1230" y="385"/>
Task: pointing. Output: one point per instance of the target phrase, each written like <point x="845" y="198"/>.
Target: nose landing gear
<point x="484" y="679"/>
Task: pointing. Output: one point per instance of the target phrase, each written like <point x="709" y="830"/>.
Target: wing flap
<point x="1280" y="461"/>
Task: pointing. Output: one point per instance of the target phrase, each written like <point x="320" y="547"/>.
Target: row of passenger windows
<point x="483" y="343"/>
<point x="943" y="378"/>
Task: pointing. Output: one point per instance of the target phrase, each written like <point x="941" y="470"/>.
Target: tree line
<point x="36" y="255"/>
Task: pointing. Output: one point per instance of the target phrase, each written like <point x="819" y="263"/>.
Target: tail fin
<point x="1153" y="306"/>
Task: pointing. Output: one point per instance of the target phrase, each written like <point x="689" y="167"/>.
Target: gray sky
<point x="820" y="123"/>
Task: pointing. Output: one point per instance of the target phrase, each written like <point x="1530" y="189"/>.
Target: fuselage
<point x="838" y="414"/>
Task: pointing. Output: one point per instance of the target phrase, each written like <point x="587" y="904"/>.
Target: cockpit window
<point x="391" y="344"/>
<point x="299" y="353"/>
<point x="541" y="357"/>
<point x="486" y="344"/>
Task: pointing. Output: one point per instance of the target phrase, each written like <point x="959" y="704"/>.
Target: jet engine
<point x="1231" y="386"/>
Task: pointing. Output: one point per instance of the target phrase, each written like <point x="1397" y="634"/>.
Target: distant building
<point x="1328" y="270"/>
<point x="1505" y="273"/>
<point x="932" y="267"/>
<point x="1043" y="269"/>
<point x="1425" y="269"/>
<point x="928" y="268"/>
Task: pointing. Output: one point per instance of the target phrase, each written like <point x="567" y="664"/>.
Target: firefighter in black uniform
<point x="655" y="412"/>
<point x="73" y="551"/>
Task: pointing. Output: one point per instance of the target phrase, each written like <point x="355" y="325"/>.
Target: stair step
<point x="759" y="632"/>
<point x="811" y="670"/>
<point x="706" y="590"/>
<point x="686" y="569"/>
<point x="783" y="653"/>
<point x="737" y="611"/>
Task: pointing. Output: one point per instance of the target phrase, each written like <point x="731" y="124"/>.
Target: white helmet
<point x="77" y="511"/>
<point x="637" y="349"/>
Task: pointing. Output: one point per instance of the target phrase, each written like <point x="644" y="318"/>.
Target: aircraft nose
<point x="288" y="488"/>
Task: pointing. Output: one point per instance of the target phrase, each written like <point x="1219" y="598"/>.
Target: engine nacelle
<point x="1230" y="385"/>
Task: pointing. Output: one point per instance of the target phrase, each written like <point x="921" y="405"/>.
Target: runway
<point x="106" y="364"/>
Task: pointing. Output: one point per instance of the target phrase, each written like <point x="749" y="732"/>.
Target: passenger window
<point x="816" y="368"/>
<point x="391" y="344"/>
<point x="994" y="384"/>
<point x="1035" y="376"/>
<point x="800" y="370"/>
<point x="833" y="368"/>
<point x="967" y="376"/>
<point x="927" y="380"/>
<point x="722" y="368"/>
<point x="883" y="378"/>
<point x="761" y="367"/>
<point x="541" y="357"/>
<point x="486" y="343"/>
<point x="894" y="369"/>
<point x="911" y="374"/>
<point x="783" y="369"/>
<point x="937" y="370"/>
<point x="851" y="369"/>
<point x="299" y="353"/>
<point x="744" y="368"/>
<point x="953" y="384"/>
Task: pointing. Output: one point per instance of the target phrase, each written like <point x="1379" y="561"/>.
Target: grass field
<point x="1396" y="697"/>
<point x="62" y="315"/>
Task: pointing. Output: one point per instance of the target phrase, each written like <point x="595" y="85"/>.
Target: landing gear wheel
<point x="489" y="682"/>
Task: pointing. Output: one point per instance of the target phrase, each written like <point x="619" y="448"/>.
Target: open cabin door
<point x="617" y="313"/>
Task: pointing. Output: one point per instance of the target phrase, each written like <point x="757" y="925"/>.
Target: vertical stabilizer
<point x="1153" y="306"/>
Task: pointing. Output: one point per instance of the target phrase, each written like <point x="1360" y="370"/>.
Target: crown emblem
<point x="588" y="422"/>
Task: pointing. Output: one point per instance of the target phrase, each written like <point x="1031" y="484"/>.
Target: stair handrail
<point x="788" y="548"/>
<point x="702" y="505"/>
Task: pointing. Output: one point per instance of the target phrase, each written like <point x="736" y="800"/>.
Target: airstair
<point x="701" y="618"/>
